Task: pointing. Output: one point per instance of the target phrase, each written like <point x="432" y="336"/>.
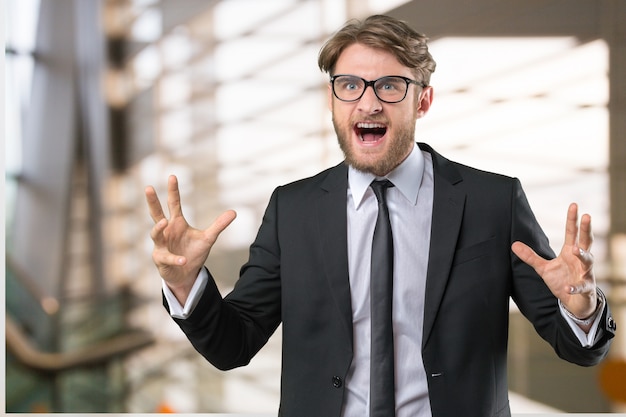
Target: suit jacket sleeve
<point x="535" y="300"/>
<point x="229" y="332"/>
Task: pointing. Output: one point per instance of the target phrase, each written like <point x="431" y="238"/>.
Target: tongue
<point x="371" y="136"/>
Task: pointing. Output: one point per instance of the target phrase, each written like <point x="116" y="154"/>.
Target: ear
<point x="330" y="97"/>
<point x="424" y="102"/>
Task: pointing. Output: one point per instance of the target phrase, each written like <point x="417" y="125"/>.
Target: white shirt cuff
<point x="182" y="312"/>
<point x="595" y="333"/>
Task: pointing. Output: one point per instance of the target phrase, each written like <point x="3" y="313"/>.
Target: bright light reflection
<point x="476" y="62"/>
<point x="382" y="6"/>
<point x="295" y="23"/>
<point x="146" y="66"/>
<point x="147" y="27"/>
<point x="236" y="17"/>
<point x="20" y="19"/>
<point x="176" y="50"/>
<point x="245" y="56"/>
<point x="534" y="108"/>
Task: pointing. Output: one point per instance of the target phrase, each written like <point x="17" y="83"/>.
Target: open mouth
<point x="370" y="132"/>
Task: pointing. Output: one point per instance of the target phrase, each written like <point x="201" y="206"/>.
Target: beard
<point x="398" y="148"/>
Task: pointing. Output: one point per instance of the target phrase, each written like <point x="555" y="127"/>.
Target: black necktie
<point x="382" y="387"/>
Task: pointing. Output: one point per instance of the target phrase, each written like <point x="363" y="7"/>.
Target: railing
<point x="19" y="346"/>
<point x="24" y="351"/>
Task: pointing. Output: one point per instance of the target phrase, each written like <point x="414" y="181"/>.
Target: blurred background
<point x="104" y="97"/>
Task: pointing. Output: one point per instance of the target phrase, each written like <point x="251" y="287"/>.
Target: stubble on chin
<point x="399" y="148"/>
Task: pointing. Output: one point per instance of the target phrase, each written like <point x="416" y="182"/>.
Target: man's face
<point x="376" y="136"/>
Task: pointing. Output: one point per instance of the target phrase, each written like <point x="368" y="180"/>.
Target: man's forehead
<point x="367" y="62"/>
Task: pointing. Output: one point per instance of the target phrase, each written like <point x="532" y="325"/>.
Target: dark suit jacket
<point x="297" y="274"/>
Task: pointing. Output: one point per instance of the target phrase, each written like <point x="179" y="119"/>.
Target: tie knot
<point x="379" y="187"/>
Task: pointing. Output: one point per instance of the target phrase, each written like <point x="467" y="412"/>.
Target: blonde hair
<point x="381" y="32"/>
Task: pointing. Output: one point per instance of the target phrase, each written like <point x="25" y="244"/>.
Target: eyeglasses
<point x="390" y="89"/>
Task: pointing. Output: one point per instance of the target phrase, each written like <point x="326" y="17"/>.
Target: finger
<point x="173" y="197"/>
<point x="571" y="225"/>
<point x="161" y="254"/>
<point x="156" y="234"/>
<point x="528" y="256"/>
<point x="585" y="257"/>
<point x="154" y="205"/>
<point x="220" y="224"/>
<point x="585" y="238"/>
<point x="163" y="257"/>
<point x="580" y="288"/>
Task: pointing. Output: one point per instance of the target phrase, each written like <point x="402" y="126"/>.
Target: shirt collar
<point x="406" y="177"/>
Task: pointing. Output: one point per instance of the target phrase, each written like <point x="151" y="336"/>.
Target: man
<point x="456" y="257"/>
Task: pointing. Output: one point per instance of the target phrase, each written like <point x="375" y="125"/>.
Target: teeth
<point x="370" y="125"/>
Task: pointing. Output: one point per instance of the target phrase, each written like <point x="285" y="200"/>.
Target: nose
<point x="369" y="102"/>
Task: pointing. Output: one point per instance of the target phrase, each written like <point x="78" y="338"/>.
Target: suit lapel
<point x="331" y="217"/>
<point x="448" y="205"/>
<point x="332" y="222"/>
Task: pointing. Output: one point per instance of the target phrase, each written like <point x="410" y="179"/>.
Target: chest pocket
<point x="473" y="252"/>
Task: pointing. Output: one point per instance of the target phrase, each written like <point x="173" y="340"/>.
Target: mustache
<point x="371" y="119"/>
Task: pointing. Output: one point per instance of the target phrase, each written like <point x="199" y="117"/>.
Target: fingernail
<point x="582" y="252"/>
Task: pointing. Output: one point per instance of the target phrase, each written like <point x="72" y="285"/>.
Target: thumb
<point x="220" y="224"/>
<point x="527" y="255"/>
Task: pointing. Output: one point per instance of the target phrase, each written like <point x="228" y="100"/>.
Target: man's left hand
<point x="570" y="275"/>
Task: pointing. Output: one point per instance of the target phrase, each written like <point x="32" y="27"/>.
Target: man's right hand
<point x="180" y="250"/>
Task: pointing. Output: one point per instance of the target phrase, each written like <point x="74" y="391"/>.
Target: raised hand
<point x="570" y="275"/>
<point x="180" y="250"/>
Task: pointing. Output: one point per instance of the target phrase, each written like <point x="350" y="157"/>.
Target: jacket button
<point x="337" y="382"/>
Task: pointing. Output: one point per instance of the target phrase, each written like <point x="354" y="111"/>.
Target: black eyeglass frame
<point x="371" y="84"/>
